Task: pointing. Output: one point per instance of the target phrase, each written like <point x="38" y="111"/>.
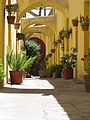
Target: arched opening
<point x="23" y="8"/>
<point x="37" y="65"/>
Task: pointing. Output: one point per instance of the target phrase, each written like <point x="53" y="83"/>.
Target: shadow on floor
<point x="71" y="96"/>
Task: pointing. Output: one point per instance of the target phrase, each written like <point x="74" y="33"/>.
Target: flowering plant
<point x="69" y="60"/>
<point x="87" y="59"/>
<point x="84" y="20"/>
<point x="64" y="33"/>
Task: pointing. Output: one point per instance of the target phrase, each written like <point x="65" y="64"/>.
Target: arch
<point x="45" y="30"/>
<point x="36" y="67"/>
<point x="27" y="5"/>
<point x="48" y="21"/>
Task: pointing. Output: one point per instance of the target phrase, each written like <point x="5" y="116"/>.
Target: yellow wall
<point x="76" y="7"/>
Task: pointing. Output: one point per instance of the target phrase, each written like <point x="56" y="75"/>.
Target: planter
<point x="50" y="55"/>
<point x="16" y="25"/>
<point x="58" y="41"/>
<point x="61" y="38"/>
<point x="52" y="50"/>
<point x="10" y="19"/>
<point x="68" y="73"/>
<point x="68" y="36"/>
<point x="20" y="36"/>
<point x="85" y="27"/>
<point x="75" y="22"/>
<point x="42" y="73"/>
<point x="55" y="43"/>
<point x="87" y="82"/>
<point x="16" y="77"/>
<point x="1" y="84"/>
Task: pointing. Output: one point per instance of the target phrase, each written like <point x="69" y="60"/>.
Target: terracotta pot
<point x="42" y="73"/>
<point x="10" y="19"/>
<point x="87" y="82"/>
<point x="16" y="77"/>
<point x="68" y="73"/>
<point x="16" y="25"/>
<point x="1" y="84"/>
<point x="75" y="22"/>
<point x="50" y="55"/>
<point x="59" y="41"/>
<point x="85" y="27"/>
<point x="68" y="36"/>
<point x="62" y="38"/>
<point x="55" y="43"/>
<point x="52" y="50"/>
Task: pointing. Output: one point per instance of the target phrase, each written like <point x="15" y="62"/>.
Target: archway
<point x="27" y="5"/>
<point x="50" y="22"/>
<point x="36" y="67"/>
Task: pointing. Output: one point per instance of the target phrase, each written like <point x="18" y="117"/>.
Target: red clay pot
<point x="10" y="19"/>
<point x="85" y="27"/>
<point x="75" y="22"/>
<point x="16" y="25"/>
<point x="52" y="50"/>
<point x="87" y="82"/>
<point x="68" y="73"/>
<point x="16" y="77"/>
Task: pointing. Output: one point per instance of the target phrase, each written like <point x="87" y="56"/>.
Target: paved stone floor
<point x="45" y="99"/>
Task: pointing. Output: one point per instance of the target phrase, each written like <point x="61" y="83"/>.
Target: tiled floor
<point x="42" y="99"/>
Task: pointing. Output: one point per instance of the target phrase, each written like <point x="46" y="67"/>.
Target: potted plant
<point x="16" y="25"/>
<point x="84" y="22"/>
<point x="20" y="36"/>
<point x="52" y="50"/>
<point x="12" y="8"/>
<point x="54" y="71"/>
<point x="18" y="62"/>
<point x="55" y="43"/>
<point x="50" y="55"/>
<point x="50" y="70"/>
<point x="86" y="58"/>
<point x="57" y="70"/>
<point x="75" y="21"/>
<point x="64" y="33"/>
<point x="68" y="62"/>
<point x="2" y="75"/>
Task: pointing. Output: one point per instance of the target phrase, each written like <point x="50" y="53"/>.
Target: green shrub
<point x="12" y="8"/>
<point x="20" y="36"/>
<point x="2" y="75"/>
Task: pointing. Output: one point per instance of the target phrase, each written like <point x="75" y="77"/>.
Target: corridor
<point x="45" y="99"/>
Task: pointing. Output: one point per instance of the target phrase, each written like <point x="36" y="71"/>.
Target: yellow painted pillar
<point x="9" y="31"/>
<point x="86" y="34"/>
<point x="2" y="29"/>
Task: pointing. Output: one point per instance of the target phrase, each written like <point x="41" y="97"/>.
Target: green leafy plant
<point x="57" y="68"/>
<point x="68" y="61"/>
<point x="2" y="75"/>
<point x="32" y="49"/>
<point x="65" y="33"/>
<point x="20" y="36"/>
<point x="18" y="61"/>
<point x="86" y="58"/>
<point x="12" y="8"/>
